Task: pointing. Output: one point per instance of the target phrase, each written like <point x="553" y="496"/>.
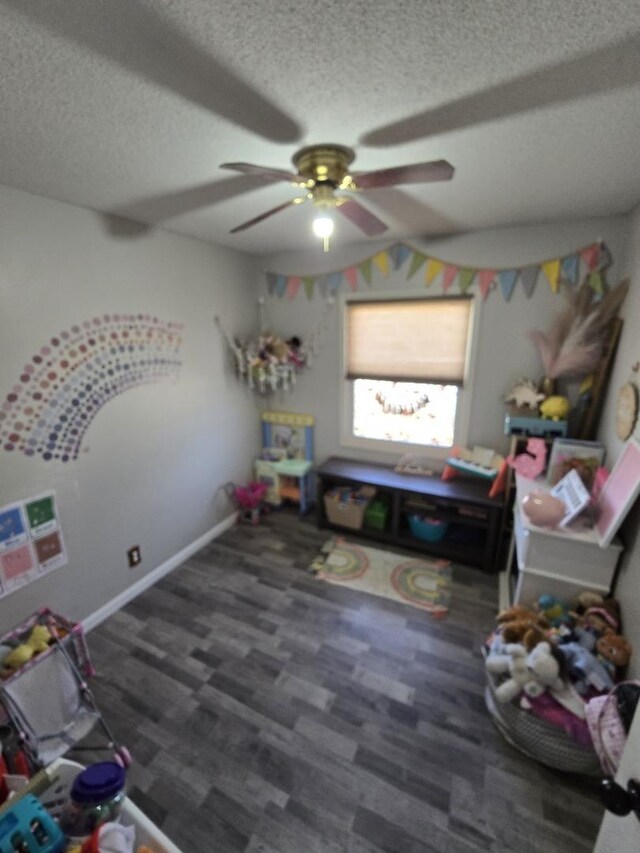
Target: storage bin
<point x="376" y="513"/>
<point x="429" y="529"/>
<point x="347" y="507"/>
<point x="54" y="791"/>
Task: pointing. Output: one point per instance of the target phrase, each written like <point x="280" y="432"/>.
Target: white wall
<point x="628" y="587"/>
<point x="504" y="353"/>
<point x="157" y="455"/>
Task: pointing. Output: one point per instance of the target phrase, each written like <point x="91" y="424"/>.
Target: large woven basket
<point x="538" y="739"/>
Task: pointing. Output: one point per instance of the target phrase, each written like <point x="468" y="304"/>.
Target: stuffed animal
<point x="554" y="610"/>
<point x="513" y="663"/>
<point x="37" y="641"/>
<point x="614" y="652"/>
<point x="523" y="632"/>
<point x="555" y="408"/>
<point x="584" y="669"/>
<point x="546" y="669"/>
<point x="518" y="613"/>
<point x="521" y="625"/>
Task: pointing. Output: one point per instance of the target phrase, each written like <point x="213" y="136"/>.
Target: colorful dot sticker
<point x="64" y="385"/>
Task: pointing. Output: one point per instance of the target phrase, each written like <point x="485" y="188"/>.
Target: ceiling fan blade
<point x="417" y="173"/>
<point x="266" y="215"/>
<point x="263" y="172"/>
<point x="361" y="217"/>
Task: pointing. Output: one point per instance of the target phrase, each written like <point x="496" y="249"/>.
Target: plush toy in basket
<point x="545" y="665"/>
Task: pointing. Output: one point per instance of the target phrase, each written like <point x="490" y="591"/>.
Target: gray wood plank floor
<point x="269" y="711"/>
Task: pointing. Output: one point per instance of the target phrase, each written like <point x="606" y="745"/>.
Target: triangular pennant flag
<point x="596" y="282"/>
<point x="293" y="286"/>
<point x="507" y="279"/>
<point x="529" y="278"/>
<point x="365" y="269"/>
<point x="465" y="278"/>
<point x="402" y="254"/>
<point x="449" y="273"/>
<point x="323" y="286"/>
<point x="334" y="280"/>
<point x="351" y="275"/>
<point x="272" y="278"/>
<point x="381" y="260"/>
<point x="434" y="266"/>
<point x="485" y="280"/>
<point x="605" y="257"/>
<point x="591" y="256"/>
<point x="416" y="262"/>
<point x="394" y="255"/>
<point x="281" y="285"/>
<point x="571" y="268"/>
<point x="552" y="271"/>
<point x="308" y="282"/>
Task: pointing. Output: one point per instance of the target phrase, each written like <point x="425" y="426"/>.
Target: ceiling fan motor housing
<point x="324" y="164"/>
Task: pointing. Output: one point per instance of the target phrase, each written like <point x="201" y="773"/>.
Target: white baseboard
<point x="102" y="613"/>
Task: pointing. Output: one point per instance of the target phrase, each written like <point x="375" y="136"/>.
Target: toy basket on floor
<point x="539" y="739"/>
<point x="46" y="702"/>
<point x="52" y="786"/>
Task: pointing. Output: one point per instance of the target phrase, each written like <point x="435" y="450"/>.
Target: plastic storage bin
<point x="429" y="529"/>
<point x="55" y="789"/>
<point x="376" y="514"/>
<point x="347" y="507"/>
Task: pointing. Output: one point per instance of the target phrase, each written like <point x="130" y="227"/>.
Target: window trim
<point x="463" y="409"/>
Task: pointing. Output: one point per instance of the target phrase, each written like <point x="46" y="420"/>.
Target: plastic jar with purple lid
<point x="97" y="795"/>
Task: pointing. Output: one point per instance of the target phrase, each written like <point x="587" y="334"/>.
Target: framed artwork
<point x="619" y="493"/>
<point x="570" y="454"/>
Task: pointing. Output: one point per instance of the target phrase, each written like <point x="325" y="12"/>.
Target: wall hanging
<point x="586" y="264"/>
<point x="70" y="378"/>
<point x="31" y="541"/>
<point x="267" y="361"/>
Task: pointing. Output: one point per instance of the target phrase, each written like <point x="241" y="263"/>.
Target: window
<point x="405" y="364"/>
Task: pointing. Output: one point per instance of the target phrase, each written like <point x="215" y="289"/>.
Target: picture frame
<point x="569" y="454"/>
<point x="619" y="493"/>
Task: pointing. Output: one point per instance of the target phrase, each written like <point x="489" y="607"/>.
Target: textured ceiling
<point x="129" y="107"/>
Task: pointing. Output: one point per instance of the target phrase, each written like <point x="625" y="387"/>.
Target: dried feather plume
<point x="573" y="345"/>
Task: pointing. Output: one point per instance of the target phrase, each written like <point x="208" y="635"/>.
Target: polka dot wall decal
<point x="78" y="378"/>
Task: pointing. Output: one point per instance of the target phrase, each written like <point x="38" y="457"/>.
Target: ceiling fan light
<point x="323" y="227"/>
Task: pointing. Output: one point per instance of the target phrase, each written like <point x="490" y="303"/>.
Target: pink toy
<point x="531" y="463"/>
<point x="250" y="497"/>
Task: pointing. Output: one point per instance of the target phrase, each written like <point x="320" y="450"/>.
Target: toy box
<point x="347" y="507"/>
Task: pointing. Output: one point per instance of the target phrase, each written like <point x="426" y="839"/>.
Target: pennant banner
<point x="507" y="279"/>
<point x="465" y="278"/>
<point x="485" y="280"/>
<point x="434" y="267"/>
<point x="586" y="264"/>
<point x="308" y="281"/>
<point x="365" y="269"/>
<point x="293" y="286"/>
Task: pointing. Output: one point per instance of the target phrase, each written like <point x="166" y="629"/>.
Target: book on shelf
<point x="570" y="454"/>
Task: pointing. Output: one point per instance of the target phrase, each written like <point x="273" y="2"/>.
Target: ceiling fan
<point x="323" y="170"/>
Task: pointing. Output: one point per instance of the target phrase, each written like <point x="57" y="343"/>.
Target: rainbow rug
<point x="423" y="583"/>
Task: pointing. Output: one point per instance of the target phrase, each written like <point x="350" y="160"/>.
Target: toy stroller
<point x="47" y="704"/>
<point x="248" y="498"/>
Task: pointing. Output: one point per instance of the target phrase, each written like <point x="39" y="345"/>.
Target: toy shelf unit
<point x="287" y="459"/>
<point x="562" y="562"/>
<point x="453" y="519"/>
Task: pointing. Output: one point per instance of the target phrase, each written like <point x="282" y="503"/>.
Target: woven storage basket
<point x="538" y="739"/>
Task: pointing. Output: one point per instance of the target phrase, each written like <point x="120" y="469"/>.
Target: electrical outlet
<point x="134" y="555"/>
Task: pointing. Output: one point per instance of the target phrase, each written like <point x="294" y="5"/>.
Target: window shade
<point x="408" y="340"/>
